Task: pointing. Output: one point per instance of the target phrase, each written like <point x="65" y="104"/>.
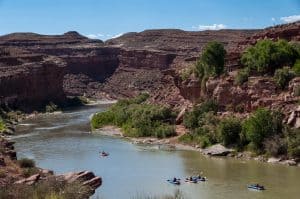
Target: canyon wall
<point x="122" y="67"/>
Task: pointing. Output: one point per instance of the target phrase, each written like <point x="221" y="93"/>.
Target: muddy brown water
<point x="63" y="142"/>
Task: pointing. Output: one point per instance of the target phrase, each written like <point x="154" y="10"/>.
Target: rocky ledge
<point x="11" y="173"/>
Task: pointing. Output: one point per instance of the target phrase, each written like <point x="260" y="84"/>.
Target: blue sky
<point x="107" y="18"/>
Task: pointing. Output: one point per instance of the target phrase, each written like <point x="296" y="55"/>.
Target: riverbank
<point x="15" y="176"/>
<point x="173" y="143"/>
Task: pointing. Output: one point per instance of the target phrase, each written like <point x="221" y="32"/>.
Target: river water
<point x="63" y="143"/>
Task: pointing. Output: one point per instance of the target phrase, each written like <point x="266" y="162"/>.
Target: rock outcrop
<point x="11" y="173"/>
<point x="86" y="178"/>
<point x="122" y="67"/>
<point x="80" y="65"/>
<point x="31" y="85"/>
<point x="217" y="150"/>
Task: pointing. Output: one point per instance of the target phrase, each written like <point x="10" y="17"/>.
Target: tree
<point x="229" y="130"/>
<point x="262" y="123"/>
<point x="266" y="55"/>
<point x="213" y="58"/>
<point x="211" y="63"/>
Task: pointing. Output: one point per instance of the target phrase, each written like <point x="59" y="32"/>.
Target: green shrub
<point x="266" y="55"/>
<point x="275" y="145"/>
<point x="26" y="163"/>
<point x="50" y="189"/>
<point x="2" y="125"/>
<point x="262" y="123"/>
<point x="296" y="67"/>
<point x="138" y="119"/>
<point x="187" y="72"/>
<point x="242" y="76"/>
<point x="2" y="173"/>
<point x="101" y="119"/>
<point x="27" y="172"/>
<point x="293" y="142"/>
<point x="230" y="129"/>
<point x="164" y="130"/>
<point x="211" y="63"/>
<point x="212" y="60"/>
<point x="195" y="139"/>
<point x="51" y="107"/>
<point x="239" y="108"/>
<point x="214" y="57"/>
<point x="282" y="77"/>
<point x="203" y="124"/>
<point x="191" y="119"/>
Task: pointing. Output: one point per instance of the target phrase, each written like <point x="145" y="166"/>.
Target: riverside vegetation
<point x="262" y="132"/>
<point x="51" y="188"/>
<point x="137" y="118"/>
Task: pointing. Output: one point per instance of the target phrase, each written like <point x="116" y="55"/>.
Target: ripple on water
<point x="132" y="169"/>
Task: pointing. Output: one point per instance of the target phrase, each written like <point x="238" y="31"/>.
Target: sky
<point x="104" y="19"/>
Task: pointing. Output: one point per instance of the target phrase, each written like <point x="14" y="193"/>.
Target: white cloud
<point x="290" y="19"/>
<point x="273" y="19"/>
<point x="103" y="36"/>
<point x="210" y="27"/>
<point x="95" y="36"/>
<point x="117" y="35"/>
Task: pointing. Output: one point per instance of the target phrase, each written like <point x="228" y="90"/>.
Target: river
<point x="63" y="143"/>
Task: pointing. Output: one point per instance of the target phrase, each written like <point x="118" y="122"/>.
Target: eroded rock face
<point x="133" y="63"/>
<point x="86" y="178"/>
<point x="35" y="83"/>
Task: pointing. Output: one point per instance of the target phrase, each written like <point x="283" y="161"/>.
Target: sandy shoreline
<point x="172" y="144"/>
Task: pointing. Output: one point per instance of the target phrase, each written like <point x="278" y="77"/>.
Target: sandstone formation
<point x="72" y="65"/>
<point x="12" y="173"/>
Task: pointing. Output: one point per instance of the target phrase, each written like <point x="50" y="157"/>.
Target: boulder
<point x="179" y="117"/>
<point x="30" y="180"/>
<point x="294" y="118"/>
<point x="87" y="178"/>
<point x="94" y="183"/>
<point x="274" y="160"/>
<point x="217" y="150"/>
<point x="289" y="162"/>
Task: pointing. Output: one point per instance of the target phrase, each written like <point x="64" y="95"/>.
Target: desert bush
<point x="296" y="67"/>
<point x="27" y="172"/>
<point x="293" y="142"/>
<point x="2" y="173"/>
<point x="266" y="55"/>
<point x="164" y="130"/>
<point x="262" y="123"/>
<point x="138" y="119"/>
<point x="187" y="72"/>
<point x="26" y="163"/>
<point x="191" y="119"/>
<point x="275" y="145"/>
<point x="213" y="56"/>
<point x="50" y="189"/>
<point x="51" y="107"/>
<point x="242" y="76"/>
<point x="229" y="130"/>
<point x="101" y="119"/>
<point x="282" y="76"/>
<point x="2" y="125"/>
